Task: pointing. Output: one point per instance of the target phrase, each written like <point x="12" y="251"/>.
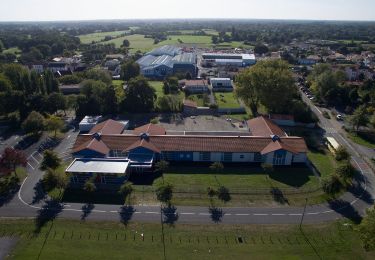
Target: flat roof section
<point x="114" y="166"/>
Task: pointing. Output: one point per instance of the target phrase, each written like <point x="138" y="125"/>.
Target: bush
<point x="54" y="179"/>
<point x="211" y="192"/>
<point x="341" y="154"/>
<point x="217" y="166"/>
<point x="346" y="171"/>
<point x="164" y="193"/>
<point x="223" y="194"/>
<point x="89" y="186"/>
<point x="267" y="168"/>
<point x="50" y="160"/>
<point x="332" y="184"/>
<point x="154" y="121"/>
<point x="125" y="190"/>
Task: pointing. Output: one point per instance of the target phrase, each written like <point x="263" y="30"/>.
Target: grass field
<point x="99" y="36"/>
<point x="198" y="98"/>
<point x="324" y="162"/>
<point x="137" y="43"/>
<point x="65" y="239"/>
<point x="226" y="100"/>
<point x="15" y="50"/>
<point x="118" y="85"/>
<point x="187" y="39"/>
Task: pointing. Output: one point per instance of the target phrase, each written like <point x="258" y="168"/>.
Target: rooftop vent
<point x="97" y="136"/>
<point x="275" y="138"/>
<point x="144" y="136"/>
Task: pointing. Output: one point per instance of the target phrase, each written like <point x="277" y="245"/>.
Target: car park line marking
<point x="34" y="159"/>
<point x="187" y="213"/>
<point x="313" y="213"/>
<point x="278" y="214"/>
<point x="260" y="214"/>
<point x="242" y="214"/>
<point x="204" y="214"/>
<point x="228" y="214"/>
<point x="320" y="112"/>
<point x="31" y="166"/>
<point x="294" y="214"/>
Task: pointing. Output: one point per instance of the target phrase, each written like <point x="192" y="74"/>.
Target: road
<point x="31" y="202"/>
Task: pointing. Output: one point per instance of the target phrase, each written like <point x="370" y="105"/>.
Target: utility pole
<point x="303" y="214"/>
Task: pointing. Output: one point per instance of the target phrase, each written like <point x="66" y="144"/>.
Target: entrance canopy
<point x="91" y="165"/>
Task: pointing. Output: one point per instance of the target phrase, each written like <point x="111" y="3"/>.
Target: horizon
<point x="85" y="10"/>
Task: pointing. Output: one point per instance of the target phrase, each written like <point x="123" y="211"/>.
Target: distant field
<point x="96" y="37"/>
<point x="187" y="39"/>
<point x="137" y="43"/>
<point x="226" y="100"/>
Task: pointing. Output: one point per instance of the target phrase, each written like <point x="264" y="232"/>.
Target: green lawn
<point x="67" y="239"/>
<point x="158" y="86"/>
<point x="118" y="85"/>
<point x="226" y="100"/>
<point x="198" y="98"/>
<point x="187" y="39"/>
<point x="239" y="178"/>
<point x="99" y="36"/>
<point x="15" y="50"/>
<point x="324" y="162"/>
<point x="137" y="43"/>
<point x="360" y="140"/>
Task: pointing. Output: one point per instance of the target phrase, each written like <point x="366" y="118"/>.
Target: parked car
<point x="339" y="117"/>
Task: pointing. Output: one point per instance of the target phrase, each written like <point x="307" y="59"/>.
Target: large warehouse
<point x="167" y="60"/>
<point x="228" y="59"/>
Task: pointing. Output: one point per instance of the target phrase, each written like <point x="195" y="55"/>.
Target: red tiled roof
<point x="274" y="146"/>
<point x="143" y="143"/>
<point x="91" y="144"/>
<point x="262" y="126"/>
<point x="243" y="144"/>
<point x="108" y="127"/>
<point x="151" y="129"/>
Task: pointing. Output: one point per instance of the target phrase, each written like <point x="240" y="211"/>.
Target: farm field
<point x="67" y="239"/>
<point x="99" y="36"/>
<point x="137" y="43"/>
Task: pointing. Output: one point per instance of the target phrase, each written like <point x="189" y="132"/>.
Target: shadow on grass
<point x="75" y="195"/>
<point x="9" y="195"/>
<point x="346" y="210"/>
<point x="86" y="210"/>
<point x="292" y="176"/>
<point x="144" y="179"/>
<point x="278" y="196"/>
<point x="216" y="214"/>
<point x="126" y="213"/>
<point x="170" y="215"/>
<point x="39" y="193"/>
<point x="50" y="210"/>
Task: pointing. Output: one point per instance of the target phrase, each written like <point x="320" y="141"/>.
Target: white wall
<point x="247" y="157"/>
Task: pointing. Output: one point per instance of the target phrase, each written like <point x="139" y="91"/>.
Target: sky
<point x="52" y="10"/>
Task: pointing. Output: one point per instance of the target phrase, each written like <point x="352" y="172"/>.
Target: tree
<point x="1" y="46"/>
<point x="223" y="194"/>
<point x="139" y="96"/>
<point x="359" y="118"/>
<point x="169" y="103"/>
<point x="331" y="184"/>
<point x="211" y="192"/>
<point x="215" y="39"/>
<point x="346" y="171"/>
<point x="164" y="193"/>
<point x="54" y="179"/>
<point x="260" y="49"/>
<point x="217" y="166"/>
<point x="50" y="160"/>
<point x="341" y="154"/>
<point x="54" y="123"/>
<point x="10" y="159"/>
<point x="50" y="82"/>
<point x="162" y="166"/>
<point x="126" y="43"/>
<point x="34" y="123"/>
<point x="126" y="189"/>
<point x="367" y="230"/>
<point x="55" y="101"/>
<point x="130" y="70"/>
<point x="269" y="83"/>
<point x="267" y="168"/>
<point x="89" y="186"/>
<point x="99" y="75"/>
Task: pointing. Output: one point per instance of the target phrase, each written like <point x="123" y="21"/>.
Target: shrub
<point x="211" y="192"/>
<point x="164" y="193"/>
<point x="89" y="186"/>
<point x="341" y="154"/>
<point x="346" y="171"/>
<point x="332" y="184"/>
<point x="223" y="194"/>
<point x="125" y="190"/>
<point x="154" y="121"/>
<point x="267" y="168"/>
<point x="217" y="166"/>
<point x="326" y="115"/>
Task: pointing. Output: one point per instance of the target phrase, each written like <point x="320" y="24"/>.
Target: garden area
<point x="226" y="100"/>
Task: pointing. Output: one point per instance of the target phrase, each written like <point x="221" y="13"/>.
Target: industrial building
<point x="228" y="59"/>
<point x="167" y="60"/>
